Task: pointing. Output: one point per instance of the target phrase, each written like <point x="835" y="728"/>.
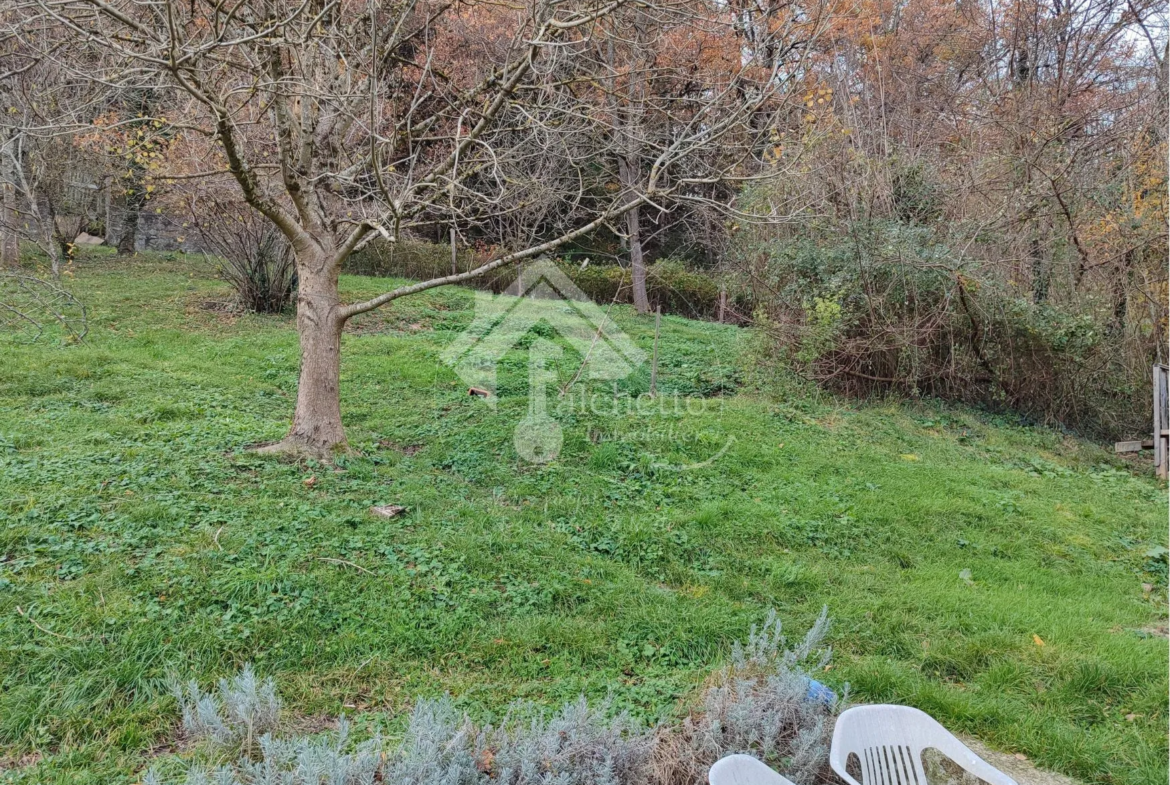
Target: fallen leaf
<point x="1147" y="587"/>
<point x="1020" y="756"/>
<point x="387" y="510"/>
<point x="1130" y="717"/>
<point x="309" y="483"/>
<point x="1037" y="639"/>
<point x="910" y="457"/>
<point x="965" y="576"/>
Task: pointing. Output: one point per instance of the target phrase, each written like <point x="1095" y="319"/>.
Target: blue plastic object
<point x="819" y="693"/>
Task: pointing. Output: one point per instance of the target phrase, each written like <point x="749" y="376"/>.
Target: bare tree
<point x="49" y="181"/>
<point x="341" y="121"/>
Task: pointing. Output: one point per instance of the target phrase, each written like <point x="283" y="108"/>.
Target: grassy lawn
<point x="989" y="573"/>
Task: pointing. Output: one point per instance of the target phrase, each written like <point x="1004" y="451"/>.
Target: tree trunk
<point x="9" y="239"/>
<point x="1041" y="274"/>
<point x="316" y="429"/>
<point x="1122" y="280"/>
<point x="637" y="262"/>
<point x="634" y="236"/>
<point x="108" y="205"/>
<point x="128" y="241"/>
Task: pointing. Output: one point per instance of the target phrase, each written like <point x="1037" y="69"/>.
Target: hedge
<point x="669" y="284"/>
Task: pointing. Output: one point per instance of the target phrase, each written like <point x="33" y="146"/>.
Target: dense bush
<point x="889" y="307"/>
<point x="760" y="704"/>
<point x="670" y="284"/>
<point x="255" y="258"/>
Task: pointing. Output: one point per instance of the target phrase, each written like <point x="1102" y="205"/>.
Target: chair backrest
<point x="744" y="770"/>
<point x="888" y="742"/>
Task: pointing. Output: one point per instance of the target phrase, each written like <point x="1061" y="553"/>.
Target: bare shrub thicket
<point x="761" y="704"/>
<point x="253" y="256"/>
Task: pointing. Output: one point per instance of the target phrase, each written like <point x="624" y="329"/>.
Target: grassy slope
<point x="142" y="540"/>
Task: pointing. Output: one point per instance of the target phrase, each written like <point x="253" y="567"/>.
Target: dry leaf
<point x="1037" y="639"/>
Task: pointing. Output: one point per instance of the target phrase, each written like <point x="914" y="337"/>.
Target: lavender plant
<point x="766" y="703"/>
<point x="244" y="709"/>
<point x="760" y="704"/>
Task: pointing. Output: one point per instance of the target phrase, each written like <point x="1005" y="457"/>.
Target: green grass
<point x="139" y="538"/>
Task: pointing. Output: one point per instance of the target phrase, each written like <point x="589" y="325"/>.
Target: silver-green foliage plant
<point x="760" y="704"/>
<point x="766" y="703"/>
<point x="244" y="709"/>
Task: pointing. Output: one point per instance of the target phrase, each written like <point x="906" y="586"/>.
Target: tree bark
<point x="128" y="240"/>
<point x="108" y="205"/>
<point x="634" y="237"/>
<point x="1041" y="274"/>
<point x="9" y="239"/>
<point x="1122" y="280"/>
<point x="316" y="428"/>
<point x="637" y="262"/>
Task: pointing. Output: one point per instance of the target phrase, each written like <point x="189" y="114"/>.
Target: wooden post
<point x="1161" y="424"/>
<point x="654" y="361"/>
<point x="722" y="302"/>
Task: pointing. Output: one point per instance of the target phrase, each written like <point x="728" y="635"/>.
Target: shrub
<point x="256" y="259"/>
<point x="765" y="703"/>
<point x="760" y="704"/>
<point x="892" y="308"/>
<point x="407" y="258"/>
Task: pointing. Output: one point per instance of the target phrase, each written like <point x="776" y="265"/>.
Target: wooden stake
<point x="654" y="362"/>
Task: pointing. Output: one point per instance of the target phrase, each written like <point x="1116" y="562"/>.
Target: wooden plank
<point x="1160" y="416"/>
<point x="1121" y="447"/>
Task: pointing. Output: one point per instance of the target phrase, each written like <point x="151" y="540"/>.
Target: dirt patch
<point x="940" y="771"/>
<point x="376" y="322"/>
<point x="407" y="450"/>
<point x="13" y="763"/>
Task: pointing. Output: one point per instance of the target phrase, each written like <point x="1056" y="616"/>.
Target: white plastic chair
<point x="744" y="770"/>
<point x="889" y="740"/>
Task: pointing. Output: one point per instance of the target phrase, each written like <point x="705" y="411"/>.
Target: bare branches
<point x="28" y="305"/>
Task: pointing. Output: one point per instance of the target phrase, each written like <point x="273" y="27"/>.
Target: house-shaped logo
<point x="541" y="292"/>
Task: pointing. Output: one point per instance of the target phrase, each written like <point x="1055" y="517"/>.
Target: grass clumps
<point x="761" y="704"/>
